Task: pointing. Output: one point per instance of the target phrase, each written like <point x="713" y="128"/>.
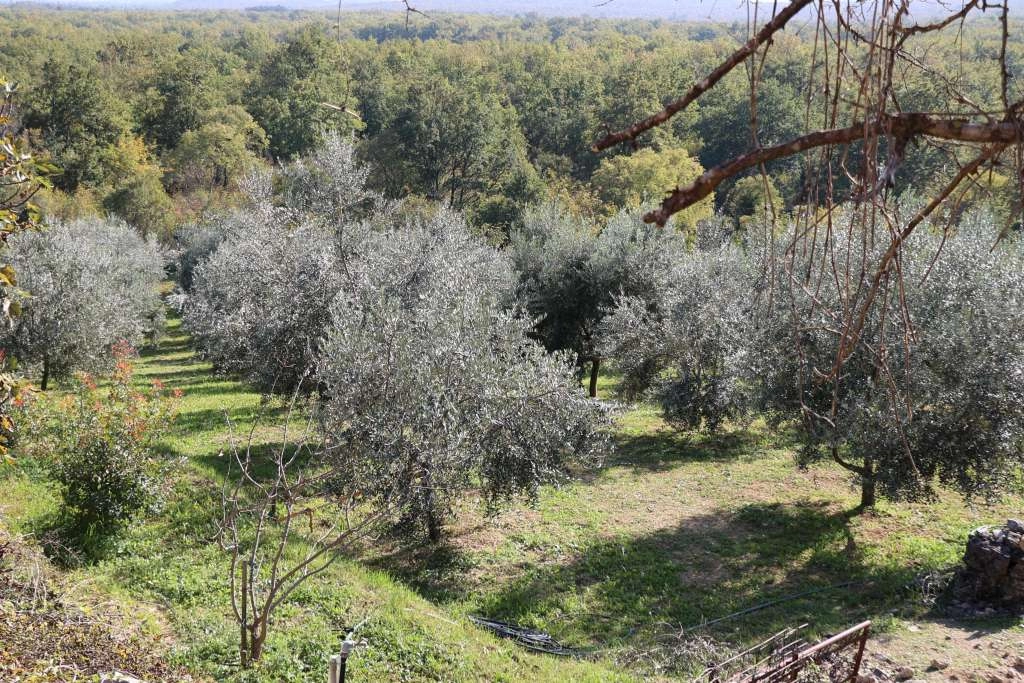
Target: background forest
<point x="338" y="320"/>
<point x="156" y="117"/>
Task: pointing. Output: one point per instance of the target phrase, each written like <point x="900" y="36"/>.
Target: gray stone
<point x="993" y="573"/>
<point x="1015" y="525"/>
<point x="905" y="673"/>
<point x="940" y="664"/>
<point x="119" y="677"/>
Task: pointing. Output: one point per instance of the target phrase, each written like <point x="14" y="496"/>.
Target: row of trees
<point x="716" y="342"/>
<point x="419" y="338"/>
<point x="158" y="117"/>
<point x="404" y="325"/>
<point x="702" y="323"/>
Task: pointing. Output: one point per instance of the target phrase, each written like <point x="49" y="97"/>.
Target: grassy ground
<point x="677" y="530"/>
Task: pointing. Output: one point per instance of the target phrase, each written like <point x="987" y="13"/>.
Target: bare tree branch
<point x="900" y="126"/>
<point x="698" y="89"/>
<point x="852" y="333"/>
<point x="939" y="25"/>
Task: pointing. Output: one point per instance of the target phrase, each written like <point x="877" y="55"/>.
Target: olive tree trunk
<point x="867" y="485"/>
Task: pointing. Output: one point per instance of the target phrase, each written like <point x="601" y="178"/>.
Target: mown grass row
<point x="677" y="530"/>
<point x="169" y="572"/>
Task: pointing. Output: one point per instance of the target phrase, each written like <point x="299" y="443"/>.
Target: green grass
<point x="676" y="530"/>
<point x="171" y="565"/>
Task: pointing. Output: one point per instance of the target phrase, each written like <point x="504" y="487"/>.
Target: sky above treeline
<point x="689" y="10"/>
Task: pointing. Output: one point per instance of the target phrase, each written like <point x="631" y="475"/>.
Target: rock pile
<point x="993" y="571"/>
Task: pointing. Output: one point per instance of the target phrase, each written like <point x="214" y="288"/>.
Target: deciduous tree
<point x="637" y="180"/>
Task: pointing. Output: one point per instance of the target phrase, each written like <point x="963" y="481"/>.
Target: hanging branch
<point x="846" y="235"/>
<point x="850" y="336"/>
<point x="698" y="89"/>
<point x="902" y="127"/>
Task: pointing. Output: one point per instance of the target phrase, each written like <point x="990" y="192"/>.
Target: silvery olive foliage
<point x="90" y="284"/>
<point x="931" y="394"/>
<point x="966" y="394"/>
<point x="570" y="272"/>
<point x="195" y="244"/>
<point x="685" y="342"/>
<point x="258" y="303"/>
<point x="433" y="386"/>
<point x="933" y="391"/>
<point x="330" y="183"/>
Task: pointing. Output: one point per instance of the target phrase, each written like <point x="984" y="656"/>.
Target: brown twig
<point x="904" y="125"/>
<point x="778" y="22"/>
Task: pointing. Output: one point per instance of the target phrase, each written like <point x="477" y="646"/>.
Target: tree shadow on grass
<point x="201" y="387"/>
<point x="221" y="462"/>
<point x="665" y="449"/>
<point x="620" y="589"/>
<point x="193" y="505"/>
<point x="435" y="571"/>
<point x="217" y="419"/>
<point x="184" y="374"/>
<point x="179" y="342"/>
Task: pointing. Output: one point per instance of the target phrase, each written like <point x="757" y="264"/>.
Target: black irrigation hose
<point x="542" y="642"/>
<point x="528" y="638"/>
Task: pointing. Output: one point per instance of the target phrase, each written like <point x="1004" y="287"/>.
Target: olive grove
<point x="406" y="330"/>
<point x="717" y="343"/>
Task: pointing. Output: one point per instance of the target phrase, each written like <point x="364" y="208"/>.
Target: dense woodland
<point x="156" y="117"/>
<point x="315" y="308"/>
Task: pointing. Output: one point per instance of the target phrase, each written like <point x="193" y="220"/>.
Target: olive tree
<point x="90" y="284"/>
<point x="570" y="272"/>
<point x="195" y="243"/>
<point x="433" y="385"/>
<point x="964" y="419"/>
<point x="685" y="343"/>
<point x="261" y="280"/>
<point x="260" y="303"/>
<point x="930" y="395"/>
<point x="932" y="391"/>
<point x="330" y="182"/>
